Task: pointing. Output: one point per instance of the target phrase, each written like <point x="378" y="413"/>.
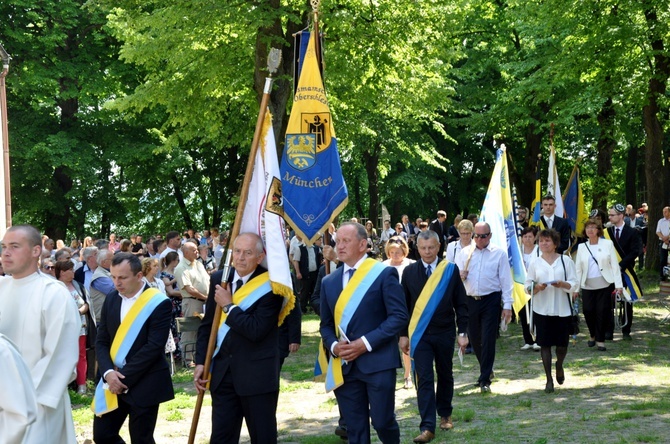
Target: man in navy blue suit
<point x="362" y="336"/>
<point x="550" y="220"/>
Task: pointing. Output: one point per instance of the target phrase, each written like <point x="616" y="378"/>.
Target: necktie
<point x="617" y="233"/>
<point x="351" y="273"/>
<point x="428" y="271"/>
<point x="550" y="223"/>
<point x="238" y="284"/>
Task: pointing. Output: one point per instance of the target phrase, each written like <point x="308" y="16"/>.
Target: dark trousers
<point x="484" y="318"/>
<point x="525" y="327"/>
<point x="438" y="348"/>
<point x="307" y="284"/>
<point x="664" y="258"/>
<point x="596" y="307"/>
<point x="369" y="396"/>
<point x="228" y="410"/>
<point x="141" y="424"/>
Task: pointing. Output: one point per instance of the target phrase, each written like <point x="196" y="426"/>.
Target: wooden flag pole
<point x="274" y="58"/>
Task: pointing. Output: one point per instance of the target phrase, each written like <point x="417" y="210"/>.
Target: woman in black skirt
<point x="554" y="280"/>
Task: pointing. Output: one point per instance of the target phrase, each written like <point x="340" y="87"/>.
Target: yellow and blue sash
<point x="105" y="401"/>
<point x="426" y="304"/>
<point x="244" y="298"/>
<point x="629" y="278"/>
<point x="347" y="304"/>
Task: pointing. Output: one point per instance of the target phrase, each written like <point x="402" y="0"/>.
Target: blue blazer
<point x="380" y="317"/>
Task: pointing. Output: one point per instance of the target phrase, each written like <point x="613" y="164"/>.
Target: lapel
<point x="337" y="276"/>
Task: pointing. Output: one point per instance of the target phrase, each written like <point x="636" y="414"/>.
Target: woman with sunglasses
<point x="553" y="280"/>
<point x="465" y="228"/>
<point x="397" y="250"/>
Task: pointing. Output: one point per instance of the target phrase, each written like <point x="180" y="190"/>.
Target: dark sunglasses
<point x="395" y="240"/>
<point x="48" y="267"/>
<point x="482" y="236"/>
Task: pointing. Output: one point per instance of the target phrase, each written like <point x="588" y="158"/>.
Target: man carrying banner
<point x="244" y="379"/>
<point x="130" y="347"/>
<point x="628" y="244"/>
<point x="38" y="315"/>
<point x="362" y="337"/>
<point x="435" y="295"/>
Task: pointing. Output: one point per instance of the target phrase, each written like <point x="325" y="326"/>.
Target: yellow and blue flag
<point x="573" y="201"/>
<point x="498" y="212"/>
<point x="313" y="188"/>
<point x="537" y="201"/>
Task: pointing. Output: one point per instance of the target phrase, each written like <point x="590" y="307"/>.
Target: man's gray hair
<point x="427" y="235"/>
<point x="89" y="251"/>
<point x="260" y="248"/>
<point x="103" y="255"/>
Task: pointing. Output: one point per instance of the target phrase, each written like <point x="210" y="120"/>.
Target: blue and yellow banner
<point x="313" y="188"/>
<point x="573" y="201"/>
<point x="537" y="201"/>
<point x="498" y="212"/>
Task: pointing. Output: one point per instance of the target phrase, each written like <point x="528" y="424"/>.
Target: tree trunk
<point x="371" y="161"/>
<point x="654" y="139"/>
<point x="525" y="189"/>
<point x="605" y="149"/>
<point x="631" y="177"/>
<point x="180" y="201"/>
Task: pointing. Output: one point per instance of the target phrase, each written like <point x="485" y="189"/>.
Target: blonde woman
<point x="397" y="251"/>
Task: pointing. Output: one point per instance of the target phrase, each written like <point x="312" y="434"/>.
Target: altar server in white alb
<point x="18" y="408"/>
<point x="40" y="317"/>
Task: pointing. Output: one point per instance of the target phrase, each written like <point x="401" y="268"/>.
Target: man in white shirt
<point x="173" y="244"/>
<point x="486" y="274"/>
<point x="663" y="233"/>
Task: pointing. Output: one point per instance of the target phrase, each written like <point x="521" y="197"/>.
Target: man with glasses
<point x="550" y="220"/>
<point x="628" y="244"/>
<point x="485" y="271"/>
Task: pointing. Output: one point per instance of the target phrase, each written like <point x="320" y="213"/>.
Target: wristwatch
<point x="226" y="308"/>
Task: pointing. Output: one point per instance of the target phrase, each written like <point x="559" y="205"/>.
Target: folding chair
<point x="191" y="323"/>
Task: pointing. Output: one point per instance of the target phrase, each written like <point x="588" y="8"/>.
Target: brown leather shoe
<point x="446" y="424"/>
<point x="425" y="436"/>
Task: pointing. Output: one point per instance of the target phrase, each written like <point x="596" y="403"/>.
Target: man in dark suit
<point x="244" y="381"/>
<point x="362" y="336"/>
<point x="550" y="220"/>
<point x="628" y="244"/>
<point x="435" y="343"/>
<point x="144" y="381"/>
<point x="407" y="226"/>
<point x="439" y="226"/>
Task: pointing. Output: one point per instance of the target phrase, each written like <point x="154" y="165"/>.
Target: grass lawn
<point x="618" y="396"/>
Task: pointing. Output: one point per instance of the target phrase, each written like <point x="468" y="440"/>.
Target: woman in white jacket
<point x="598" y="275"/>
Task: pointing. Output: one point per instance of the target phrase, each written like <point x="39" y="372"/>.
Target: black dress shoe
<point x="601" y="349"/>
<point x="549" y="388"/>
<point x="341" y="431"/>
<point x="591" y="343"/>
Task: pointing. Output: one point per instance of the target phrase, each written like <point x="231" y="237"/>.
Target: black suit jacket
<point x="250" y="350"/>
<point x="80" y="275"/>
<point x="563" y="227"/>
<point x="146" y="371"/>
<point x="453" y="302"/>
<point x="628" y="246"/>
<point x="442" y="233"/>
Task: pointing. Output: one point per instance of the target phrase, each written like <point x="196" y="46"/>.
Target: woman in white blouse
<point x="598" y="276"/>
<point x="554" y="281"/>
<point x="397" y="250"/>
<point x="530" y="251"/>
<point x="465" y="229"/>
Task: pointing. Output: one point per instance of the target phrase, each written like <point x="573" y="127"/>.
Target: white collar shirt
<point x="488" y="272"/>
<point x="127" y="303"/>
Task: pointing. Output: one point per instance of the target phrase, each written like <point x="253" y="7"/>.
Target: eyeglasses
<point x="395" y="240"/>
<point x="482" y="236"/>
<point x="47" y="267"/>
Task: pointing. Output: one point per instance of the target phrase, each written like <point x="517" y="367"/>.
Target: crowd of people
<point x="107" y="310"/>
